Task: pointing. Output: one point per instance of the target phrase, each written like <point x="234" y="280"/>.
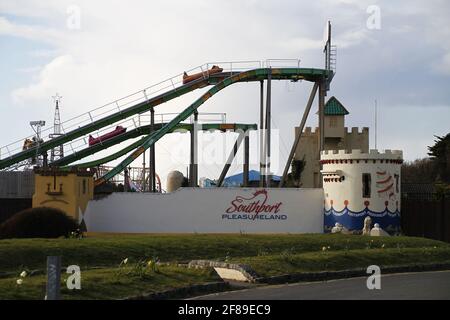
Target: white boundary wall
<point x="212" y="210"/>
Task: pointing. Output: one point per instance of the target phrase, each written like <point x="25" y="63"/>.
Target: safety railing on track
<point x="138" y="97"/>
<point x="203" y="117"/>
<point x="130" y="124"/>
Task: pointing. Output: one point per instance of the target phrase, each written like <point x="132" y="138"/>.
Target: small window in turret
<point x="333" y="122"/>
<point x="366" y="179"/>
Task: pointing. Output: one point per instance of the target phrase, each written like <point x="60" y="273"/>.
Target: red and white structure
<point x="357" y="185"/>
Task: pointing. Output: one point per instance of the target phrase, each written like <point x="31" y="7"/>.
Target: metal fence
<point x="16" y="184"/>
<point x="429" y="218"/>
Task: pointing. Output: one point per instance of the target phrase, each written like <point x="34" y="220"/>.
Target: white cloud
<point x="30" y="8"/>
<point x="32" y="32"/>
<point x="47" y="81"/>
<point x="352" y="38"/>
<point x="121" y="48"/>
<point x="304" y="43"/>
<point x="444" y="66"/>
<point x="33" y="70"/>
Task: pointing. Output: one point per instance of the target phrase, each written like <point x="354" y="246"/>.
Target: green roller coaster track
<point x="309" y="74"/>
<point x="64" y="162"/>
<point x="108" y="120"/>
<point x="219" y="82"/>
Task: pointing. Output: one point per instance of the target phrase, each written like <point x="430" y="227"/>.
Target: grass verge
<point x="106" y="251"/>
<point x="268" y="255"/>
<point x="109" y="283"/>
<point x="286" y="263"/>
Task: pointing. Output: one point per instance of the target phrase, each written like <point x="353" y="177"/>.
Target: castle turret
<point x="336" y="136"/>
<point x="334" y="117"/>
<point x="357" y="185"/>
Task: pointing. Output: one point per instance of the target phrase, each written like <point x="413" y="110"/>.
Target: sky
<point x="94" y="52"/>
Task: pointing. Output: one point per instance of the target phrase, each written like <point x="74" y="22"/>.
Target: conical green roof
<point x="334" y="107"/>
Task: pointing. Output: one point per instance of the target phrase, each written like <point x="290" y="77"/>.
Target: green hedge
<point x="40" y="222"/>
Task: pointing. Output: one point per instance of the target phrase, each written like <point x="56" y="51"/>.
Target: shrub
<point x="40" y="222"/>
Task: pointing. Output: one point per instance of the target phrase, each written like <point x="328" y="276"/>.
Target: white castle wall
<point x="343" y="183"/>
<point x="208" y="210"/>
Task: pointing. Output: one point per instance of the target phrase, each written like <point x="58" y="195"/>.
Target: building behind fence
<point x="16" y="191"/>
<point x="424" y="212"/>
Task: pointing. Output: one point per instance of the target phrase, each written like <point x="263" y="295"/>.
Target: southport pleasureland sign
<point x="209" y="210"/>
<point x="258" y="206"/>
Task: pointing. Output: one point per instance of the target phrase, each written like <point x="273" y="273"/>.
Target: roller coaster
<point x="126" y="112"/>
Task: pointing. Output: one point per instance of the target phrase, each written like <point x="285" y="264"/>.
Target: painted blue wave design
<point x="365" y="211"/>
<point x="354" y="220"/>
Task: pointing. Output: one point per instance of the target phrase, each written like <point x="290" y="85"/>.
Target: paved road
<point x="422" y="285"/>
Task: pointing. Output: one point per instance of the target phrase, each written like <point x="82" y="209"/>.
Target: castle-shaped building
<point x="337" y="137"/>
<point x="357" y="182"/>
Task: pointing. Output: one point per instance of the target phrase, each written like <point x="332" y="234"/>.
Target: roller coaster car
<point x="106" y="136"/>
<point x="31" y="143"/>
<point x="195" y="76"/>
<point x="27" y="144"/>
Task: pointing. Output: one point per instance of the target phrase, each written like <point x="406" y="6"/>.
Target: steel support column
<point x="299" y="134"/>
<point x="194" y="152"/>
<point x="322" y="93"/>
<point x="152" y="180"/>
<point x="230" y="158"/>
<point x="268" y="119"/>
<point x="246" y="159"/>
<point x="125" y="180"/>
<point x="261" y="136"/>
<point x="143" y="173"/>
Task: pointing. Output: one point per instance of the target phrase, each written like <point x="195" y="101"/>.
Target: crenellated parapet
<point x="310" y="131"/>
<point x="356" y="155"/>
<point x="357" y="130"/>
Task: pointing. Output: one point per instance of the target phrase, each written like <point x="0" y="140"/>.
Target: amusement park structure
<point x="57" y="152"/>
<point x="113" y="123"/>
<point x="352" y="184"/>
<point x="74" y="131"/>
